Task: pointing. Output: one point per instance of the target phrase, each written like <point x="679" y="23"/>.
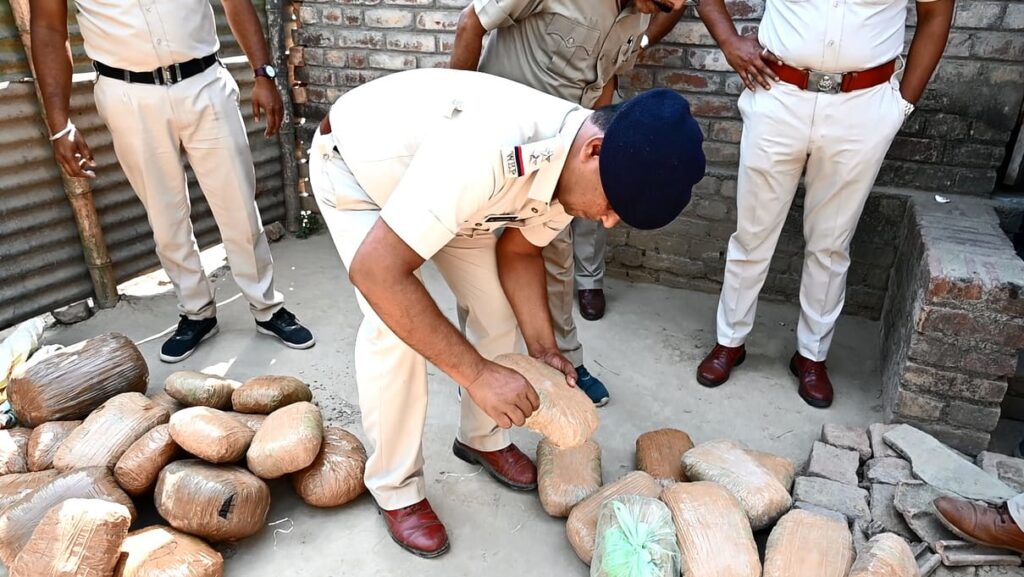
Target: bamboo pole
<point x="79" y="193"/>
<point x="286" y="137"/>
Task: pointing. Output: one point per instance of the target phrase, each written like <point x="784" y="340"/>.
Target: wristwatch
<point x="908" y="109"/>
<point x="266" y="71"/>
<point x="644" y="42"/>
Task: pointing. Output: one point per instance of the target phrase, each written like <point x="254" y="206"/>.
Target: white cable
<point x="69" y="131"/>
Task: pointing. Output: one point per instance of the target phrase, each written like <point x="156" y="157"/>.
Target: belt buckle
<point x="165" y="71"/>
<point x="824" y="82"/>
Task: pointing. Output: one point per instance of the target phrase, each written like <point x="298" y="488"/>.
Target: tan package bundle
<point x="211" y="435"/>
<point x="168" y="402"/>
<point x="72" y="383"/>
<point x="266" y="394"/>
<point x="107" y="433"/>
<point x="636" y="537"/>
<point x="78" y="538"/>
<point x="567" y="476"/>
<point x="20" y="519"/>
<point x="288" y="441"/>
<point x="14" y="487"/>
<point x="14" y="450"/>
<point x="136" y="471"/>
<point x="44" y="442"/>
<point x="566" y="416"/>
<point x="336" y="475"/>
<point x="659" y="454"/>
<point x="253" y="421"/>
<point x="805" y="544"/>
<point x="196" y="389"/>
<point x="581" y="526"/>
<point x="163" y="552"/>
<point x="886" y="555"/>
<point x="783" y="469"/>
<point x="723" y="462"/>
<point x="216" y="502"/>
<point x="715" y="539"/>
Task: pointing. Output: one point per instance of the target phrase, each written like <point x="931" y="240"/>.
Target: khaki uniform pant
<point x="841" y="139"/>
<point x="391" y="376"/>
<point x="558" y="261"/>
<point x="151" y="126"/>
<point x="590" y="241"/>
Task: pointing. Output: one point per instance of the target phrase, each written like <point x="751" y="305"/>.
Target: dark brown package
<point x="215" y="502"/>
<point x="336" y="475"/>
<point x="107" y="433"/>
<point x="78" y="538"/>
<point x="660" y="454"/>
<point x="567" y="476"/>
<point x="164" y="552"/>
<point x="14" y="450"/>
<point x="44" y="442"/>
<point x="211" y="435"/>
<point x="136" y="471"/>
<point x="288" y="441"/>
<point x="266" y="394"/>
<point x="196" y="389"/>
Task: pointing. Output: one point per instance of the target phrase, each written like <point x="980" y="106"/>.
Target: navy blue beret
<point x="651" y="158"/>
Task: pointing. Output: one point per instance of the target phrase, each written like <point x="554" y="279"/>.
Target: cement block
<point x="889" y="470"/>
<point x="849" y="500"/>
<point x="849" y="438"/>
<point x="828" y="462"/>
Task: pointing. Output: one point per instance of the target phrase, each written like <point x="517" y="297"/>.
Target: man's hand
<point x="750" y="60"/>
<point x="655" y="6"/>
<point x="555" y="359"/>
<point x="505" y="395"/>
<point x="265" y="99"/>
<point x="74" y="156"/>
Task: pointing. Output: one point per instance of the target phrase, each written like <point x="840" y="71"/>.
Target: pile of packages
<point x="91" y="442"/>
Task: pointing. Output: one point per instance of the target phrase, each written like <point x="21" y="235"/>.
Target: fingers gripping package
<point x="211" y="435"/>
<point x="288" y="441"/>
<point x="44" y="442"/>
<point x="266" y="394"/>
<point x="107" y="433"/>
<point x="137" y="470"/>
<point x="635" y="538"/>
<point x="581" y="527"/>
<point x="567" y="476"/>
<point x="215" y="502"/>
<point x="805" y="544"/>
<point x="566" y="416"/>
<point x="164" y="552"/>
<point x="79" y="537"/>
<point x="714" y="534"/>
<point x="200" y="389"/>
<point x="336" y="475"/>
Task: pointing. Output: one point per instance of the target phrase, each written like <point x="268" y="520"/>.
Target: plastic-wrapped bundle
<point x="783" y="469"/>
<point x="715" y="539"/>
<point x="163" y="552"/>
<point x="635" y="538"/>
<point x="78" y="538"/>
<point x="21" y="518"/>
<point x="253" y="421"/>
<point x="44" y="442"/>
<point x="107" y="433"/>
<point x="196" y="389"/>
<point x="136" y="471"/>
<point x="336" y="475"/>
<point x="16" y="348"/>
<point x="763" y="498"/>
<point x="72" y="383"/>
<point x="659" y="453"/>
<point x="567" y="476"/>
<point x="288" y="441"/>
<point x="14" y="450"/>
<point x="581" y="527"/>
<point x="566" y="416"/>
<point x="887" y="555"/>
<point x="168" y="402"/>
<point x="805" y="544"/>
<point x="216" y="502"/>
<point x="266" y="394"/>
<point x="211" y="435"/>
<point x="14" y="487"/>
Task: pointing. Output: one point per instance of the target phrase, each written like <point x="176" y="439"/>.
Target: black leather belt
<point x="165" y="75"/>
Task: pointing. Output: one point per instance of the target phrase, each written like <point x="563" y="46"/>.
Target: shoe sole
<point x="711" y="384"/>
<point x="301" y="346"/>
<point x="167" y="359"/>
<point x="592" y="317"/>
<point x="421" y="554"/>
<point x="966" y="537"/>
<point x="601" y="403"/>
<point x="470" y="458"/>
<point x="812" y="402"/>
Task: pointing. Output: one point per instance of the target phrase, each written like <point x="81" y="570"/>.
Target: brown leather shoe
<point x="509" y="466"/>
<point x="717" y="366"/>
<point x="815" y="386"/>
<point x="983" y="524"/>
<point x="591" y="303"/>
<point x="417" y="530"/>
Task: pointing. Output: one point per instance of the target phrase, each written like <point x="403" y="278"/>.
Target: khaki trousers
<point x="391" y="376"/>
<point x="558" y="262"/>
<point x="151" y="126"/>
<point x="590" y="242"/>
<point x="841" y="139"/>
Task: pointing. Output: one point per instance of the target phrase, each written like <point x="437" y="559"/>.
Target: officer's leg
<point x="558" y="261"/>
<point x="147" y="145"/>
<point x="773" y="150"/>
<point x="852" y="133"/>
<point x="590" y="241"/>
<point x="386" y="368"/>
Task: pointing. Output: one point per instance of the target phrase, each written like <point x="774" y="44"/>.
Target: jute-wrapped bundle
<point x="805" y="544"/>
<point x="136" y="471"/>
<point x="14" y="487"/>
<point x="107" y="433"/>
<point x="196" y="389"/>
<point x="714" y="535"/>
<point x="215" y="502"/>
<point x="783" y="469"/>
<point x="78" y="538"/>
<point x="211" y="435"/>
<point x="887" y="555"/>
<point x="567" y="476"/>
<point x="336" y="475"/>
<point x="723" y="462"/>
<point x="288" y="441"/>
<point x="581" y="527"/>
<point x="73" y="382"/>
<point x="266" y="394"/>
<point x="44" y="442"/>
<point x="566" y="416"/>
<point x="164" y="552"/>
<point x="660" y="453"/>
<point x="14" y="450"/>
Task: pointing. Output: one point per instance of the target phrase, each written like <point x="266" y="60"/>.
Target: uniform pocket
<point x="573" y="47"/>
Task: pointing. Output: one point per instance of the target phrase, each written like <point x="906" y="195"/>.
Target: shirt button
<point x="534" y="210"/>
<point x="831" y="42"/>
<point x="571" y="41"/>
<point x="159" y="42"/>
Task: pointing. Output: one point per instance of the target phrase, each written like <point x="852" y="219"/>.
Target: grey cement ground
<point x="646" y="349"/>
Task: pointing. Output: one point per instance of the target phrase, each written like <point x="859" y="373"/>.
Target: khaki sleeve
<point x="543" y="233"/>
<point x="501" y="13"/>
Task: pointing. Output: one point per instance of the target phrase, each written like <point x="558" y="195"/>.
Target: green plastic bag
<point x="636" y="537"/>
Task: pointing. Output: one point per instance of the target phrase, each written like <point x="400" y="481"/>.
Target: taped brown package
<point x="253" y="421"/>
<point x="886" y="555"/>
<point x="805" y="544"/>
<point x="211" y="435"/>
<point x="336" y="475"/>
<point x="107" y="433"/>
<point x="14" y="487"/>
<point x="581" y="526"/>
<point x="166" y="401"/>
<point x="288" y="441"/>
<point x="216" y="502"/>
<point x="71" y="383"/>
<point x="159" y="551"/>
<point x="78" y="538"/>
<point x="565" y="477"/>
<point x="714" y="534"/>
<point x="44" y="442"/>
<point x="659" y="453"/>
<point x="266" y="394"/>
<point x="136" y="471"/>
<point x="14" y="450"/>
<point x="195" y="389"/>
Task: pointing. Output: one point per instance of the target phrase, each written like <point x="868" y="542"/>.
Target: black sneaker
<point x="286" y="327"/>
<point x="186" y="338"/>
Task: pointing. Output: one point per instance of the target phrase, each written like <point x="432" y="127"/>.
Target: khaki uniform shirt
<point x="142" y="35"/>
<point x="445" y="153"/>
<point x="567" y="48"/>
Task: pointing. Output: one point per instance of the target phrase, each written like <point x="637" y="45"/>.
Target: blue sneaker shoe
<point x="592" y="386"/>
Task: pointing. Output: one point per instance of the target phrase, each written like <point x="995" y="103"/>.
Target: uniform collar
<point x="546" y="179"/>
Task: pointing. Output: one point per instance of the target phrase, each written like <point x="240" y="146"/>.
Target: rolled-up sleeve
<point x="501" y="13"/>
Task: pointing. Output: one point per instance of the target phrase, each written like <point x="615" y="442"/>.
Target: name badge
<point x="502" y="218"/>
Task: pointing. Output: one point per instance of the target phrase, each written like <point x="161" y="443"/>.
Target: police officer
<point x="401" y="181"/>
<point x="822" y="95"/>
<point x="572" y="49"/>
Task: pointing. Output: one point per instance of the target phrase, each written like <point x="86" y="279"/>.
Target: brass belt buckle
<point x="824" y="82"/>
<point x="166" y="72"/>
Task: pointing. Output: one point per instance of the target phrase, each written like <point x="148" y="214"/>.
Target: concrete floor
<point x="646" y="350"/>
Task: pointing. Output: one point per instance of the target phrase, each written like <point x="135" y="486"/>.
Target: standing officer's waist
<point x="165" y="75"/>
<point x="833" y="83"/>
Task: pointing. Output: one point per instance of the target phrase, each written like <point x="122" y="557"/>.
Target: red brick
<point x="715" y="106"/>
<point x="687" y="81"/>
